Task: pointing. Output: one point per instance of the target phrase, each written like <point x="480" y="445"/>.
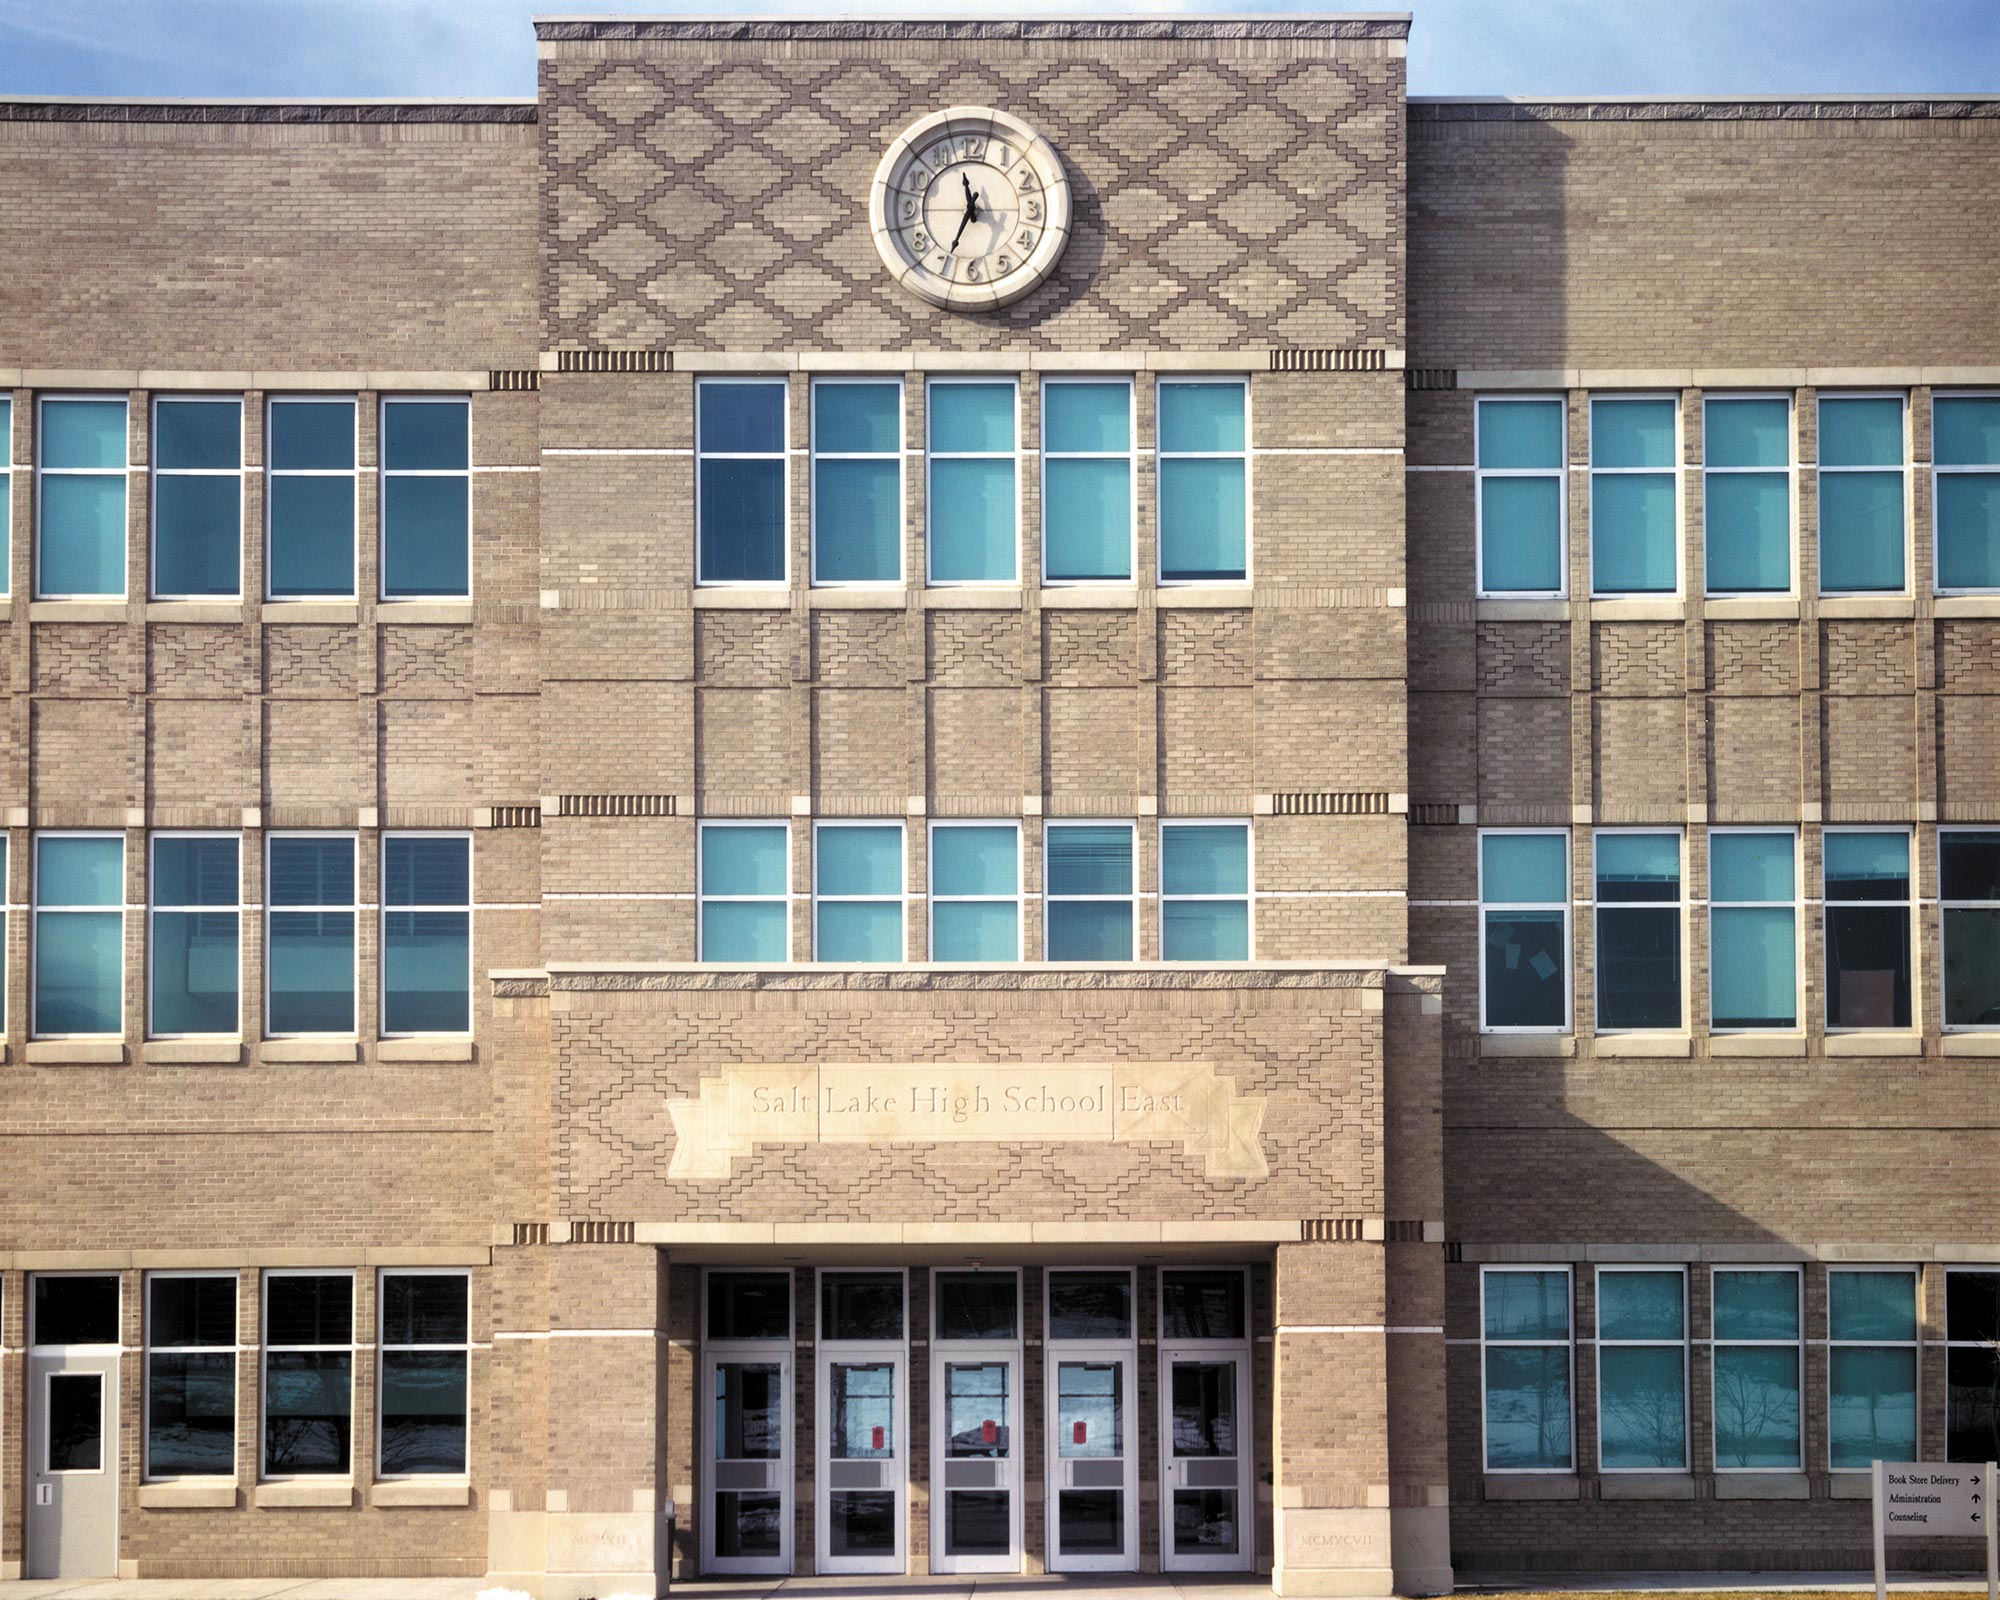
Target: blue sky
<point x="475" y="48"/>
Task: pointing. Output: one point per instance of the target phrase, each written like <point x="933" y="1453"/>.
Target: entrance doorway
<point x="1092" y="1361"/>
<point x="861" y="1510"/>
<point x="975" y="1422"/>
<point x="1205" y="1422"/>
<point x="73" y="1339"/>
<point x="746" y="1427"/>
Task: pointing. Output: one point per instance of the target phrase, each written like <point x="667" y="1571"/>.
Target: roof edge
<point x="95" y="108"/>
<point x="1703" y="108"/>
<point x="1137" y="25"/>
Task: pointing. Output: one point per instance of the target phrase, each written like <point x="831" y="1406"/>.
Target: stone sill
<point x="1202" y="596"/>
<point x="310" y="1050"/>
<point x="1750" y="608"/>
<point x="1527" y="1044"/>
<point x="1874" y="1044"/>
<point x="1762" y="1486"/>
<point x="195" y="611"/>
<point x="887" y="597"/>
<point x="420" y="1492"/>
<point x="1650" y="1046"/>
<point x="424" y="1050"/>
<point x="1967" y="605"/>
<point x="1502" y="610"/>
<point x="306" y="1494"/>
<point x="974" y="597"/>
<point x="1638" y="608"/>
<point x="79" y="611"/>
<point x="193" y="1052"/>
<point x="431" y="612"/>
<point x="76" y="1052"/>
<point x="743" y="599"/>
<point x="188" y="1494"/>
<point x="1756" y="1044"/>
<point x="311" y="611"/>
<point x="1645" y="1486"/>
<point x="1970" y="1044"/>
<point x="1532" y="1487"/>
<point x="1894" y="607"/>
<point x="1850" y="1486"/>
<point x="1091" y="597"/>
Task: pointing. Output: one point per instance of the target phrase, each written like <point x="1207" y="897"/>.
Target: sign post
<point x="1935" y="1500"/>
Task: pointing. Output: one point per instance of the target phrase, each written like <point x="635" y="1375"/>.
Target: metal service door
<point x="1093" y="1485"/>
<point x="863" y="1460"/>
<point x="72" y="1435"/>
<point x="975" y="1462"/>
<point x="746" y="1525"/>
<point x="1205" y="1460"/>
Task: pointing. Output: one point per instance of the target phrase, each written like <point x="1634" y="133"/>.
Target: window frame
<point x="1167" y="380"/>
<point x="36" y="911"/>
<point x="154" y="908"/>
<point x="1487" y="1270"/>
<point x="1991" y="470"/>
<point x="932" y="899"/>
<point x="782" y="455"/>
<point x="1796" y="1344"/>
<point x="383" y="1347"/>
<point x="383" y="909"/>
<point x="702" y="897"/>
<point x="1948" y="1344"/>
<point x="1560" y="472"/>
<point x="1944" y="904"/>
<point x="814" y="455"/>
<point x="1129" y="455"/>
<point x="353" y="838"/>
<point x="1820" y="470"/>
<point x="154" y="471"/>
<point x="1248" y="896"/>
<point x="1910" y="904"/>
<point x="265" y="1349"/>
<point x="149" y="1349"/>
<point x="901" y="898"/>
<point x="1914" y="1344"/>
<point x="744" y="1341"/>
<point x="1797" y="905"/>
<point x="383" y="473"/>
<point x="1565" y="906"/>
<point x="43" y="472"/>
<point x="1675" y="471"/>
<point x="352" y="474"/>
<point x="1681" y="911"/>
<point x="1791" y="472"/>
<point x="1131" y="828"/>
<point x="932" y="383"/>
<point x="1686" y="1341"/>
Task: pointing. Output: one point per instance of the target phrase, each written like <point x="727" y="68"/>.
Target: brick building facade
<point x="673" y="911"/>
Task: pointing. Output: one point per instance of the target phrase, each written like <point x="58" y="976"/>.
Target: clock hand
<point x="962" y="221"/>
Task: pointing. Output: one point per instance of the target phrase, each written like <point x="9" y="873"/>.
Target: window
<point x="975" y="891"/>
<point x="978" y="1305"/>
<point x="1204" y="891"/>
<point x="310" y="499"/>
<point x="1087" y="883"/>
<point x="1965" y="456"/>
<point x="1867" y="929"/>
<point x="745" y="882"/>
<point x="81" y="490"/>
<point x="308" y="1374"/>
<point x="79" y="965"/>
<point x="1524" y="931"/>
<point x="197" y="497"/>
<point x="426" y="933"/>
<point x="973" y="501"/>
<point x="1089" y="1305"/>
<point x="1204" y="487"/>
<point x="740" y="503"/>
<point x="1522" y="499"/>
<point x="1753" y="929"/>
<point x="6" y="488"/>
<point x="1525" y="1365"/>
<point x="857" y="482"/>
<point x="1972" y="1365"/>
<point x="426" y="498"/>
<point x="1642" y="1369"/>
<point x="1756" y="1354"/>
<point x="1861" y="494"/>
<point x="309" y="934"/>
<point x="190" y="1374"/>
<point x="1969" y="887"/>
<point x="1087" y="531"/>
<point x="1639" y="931"/>
<point x="858" y="891"/>
<point x="1634" y="506"/>
<point x="426" y="1339"/>
<point x="192" y="952"/>
<point x="1747" y="493"/>
<point x="1871" y="1366"/>
<point x="748" y="1305"/>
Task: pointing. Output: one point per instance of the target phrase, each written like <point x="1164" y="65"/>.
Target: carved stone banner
<point x="1102" y="1102"/>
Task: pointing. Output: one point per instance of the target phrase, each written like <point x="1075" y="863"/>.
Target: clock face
<point x="970" y="208"/>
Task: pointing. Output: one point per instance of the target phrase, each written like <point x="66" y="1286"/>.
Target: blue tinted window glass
<point x="1632" y="433"/>
<point x="1871" y="1305"/>
<point x="198" y="433"/>
<point x="744" y="930"/>
<point x="1750" y="866"/>
<point x="1640" y="1305"/>
<point x="976" y="417"/>
<point x="978" y="930"/>
<point x="863" y="860"/>
<point x="1202" y="520"/>
<point x="857" y="521"/>
<point x="858" y="418"/>
<point x="1528" y="1409"/>
<point x="426" y="436"/>
<point x="1861" y="433"/>
<point x="312" y="435"/>
<point x="1753" y="966"/>
<point x="1756" y="1407"/>
<point x="1521" y="435"/>
<point x="1643" y="1408"/>
<point x="1205" y="859"/>
<point x="193" y="961"/>
<point x="743" y="860"/>
<point x="6" y="430"/>
<point x="426" y="871"/>
<point x="1638" y="866"/>
<point x="423" y="1412"/>
<point x="1201" y="417"/>
<point x="310" y="964"/>
<point x="426" y="972"/>
<point x="1205" y="930"/>
<point x="79" y="972"/>
<point x="1861" y="531"/>
<point x="197" y="535"/>
<point x="1965" y="430"/>
<point x="83" y="433"/>
<point x="1087" y="519"/>
<point x="975" y="861"/>
<point x="860" y="931"/>
<point x="972" y="521"/>
<point x="1747" y="433"/>
<point x="80" y="872"/>
<point x="1632" y="545"/>
<point x="311" y="872"/>
<point x="194" y="872"/>
<point x="425" y="536"/>
<point x="1525" y="969"/>
<point x="1089" y="930"/>
<point x="741" y="418"/>
<point x="1867" y="866"/>
<point x="1520" y="535"/>
<point x="83" y="535"/>
<point x="308" y="1401"/>
<point x="312" y="537"/>
<point x="1086" y="416"/>
<point x="1527" y="1305"/>
<point x="1523" y="869"/>
<point x="1871" y="1406"/>
<point x="1747" y="521"/>
<point x="1089" y="859"/>
<point x="742" y="521"/>
<point x="1756" y="1305"/>
<point x="1968" y="530"/>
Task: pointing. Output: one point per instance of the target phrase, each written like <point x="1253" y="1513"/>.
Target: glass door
<point x="975" y="1423"/>
<point x="1205" y="1421"/>
<point x="1093" y="1489"/>
<point x="746" y="1516"/>
<point x="862" y="1505"/>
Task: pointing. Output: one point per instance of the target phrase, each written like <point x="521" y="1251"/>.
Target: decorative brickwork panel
<point x="1753" y="759"/>
<point x="1871" y="757"/>
<point x="1968" y="656"/>
<point x="1205" y="647"/>
<point x="1867" y="658"/>
<point x="85" y="659"/>
<point x="1641" y="759"/>
<point x="315" y="662"/>
<point x="1523" y="657"/>
<point x="1753" y="658"/>
<point x="859" y="647"/>
<point x="1089" y="647"/>
<point x="982" y="647"/>
<point x="714" y="195"/>
<point x="426" y="663"/>
<point x="1636" y="658"/>
<point x="744" y="649"/>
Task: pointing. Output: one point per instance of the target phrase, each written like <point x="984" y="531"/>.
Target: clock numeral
<point x="972" y="149"/>
<point x="1003" y="263"/>
<point x="1026" y="180"/>
<point x="1032" y="210"/>
<point x="941" y="265"/>
<point x="972" y="271"/>
<point x="1025" y="239"/>
<point x="939" y="156"/>
<point x="1003" y="156"/>
<point x="920" y="241"/>
<point x="909" y="208"/>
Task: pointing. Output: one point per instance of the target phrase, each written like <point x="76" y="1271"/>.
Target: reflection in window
<point x="858" y="891"/>
<point x="1747" y="493"/>
<point x="1524" y="930"/>
<point x="1871" y="1382"/>
<point x="1972" y="1365"/>
<point x="975" y="901"/>
<point x="1090" y="1305"/>
<point x="191" y="1375"/>
<point x="1756" y="1356"/>
<point x="193" y="963"/>
<point x="426" y="933"/>
<point x="308" y="1374"/>
<point x="310" y="499"/>
<point x="425" y="1341"/>
<point x="1525" y="1325"/>
<point x="1642" y="1369"/>
<point x="79" y="955"/>
<point x="1205" y="891"/>
<point x="80" y="499"/>
<point x="309" y="934"/>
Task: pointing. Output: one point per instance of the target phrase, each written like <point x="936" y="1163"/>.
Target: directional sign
<point x="1934" y="1499"/>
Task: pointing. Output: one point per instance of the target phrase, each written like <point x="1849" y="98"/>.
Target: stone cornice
<point x="1885" y="108"/>
<point x="590" y="978"/>
<point x="557" y="30"/>
<point x="285" y="113"/>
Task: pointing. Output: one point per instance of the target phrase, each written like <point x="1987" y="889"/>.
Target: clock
<point x="971" y="208"/>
